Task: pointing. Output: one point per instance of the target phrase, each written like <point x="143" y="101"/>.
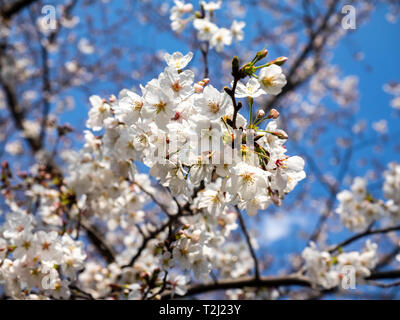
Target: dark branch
<point x="362" y="235"/>
<point x="106" y="251"/>
<point x="270" y="282"/>
<point x="248" y="240"/>
<point x="10" y="9"/>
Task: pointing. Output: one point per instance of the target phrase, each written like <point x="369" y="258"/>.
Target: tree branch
<point x="11" y="9"/>
<point x="361" y="235"/>
<point x="248" y="240"/>
<point x="106" y="251"/>
<point x="269" y="282"/>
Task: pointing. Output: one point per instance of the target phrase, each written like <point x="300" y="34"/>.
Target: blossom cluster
<point x="393" y="88"/>
<point x="210" y="162"/>
<point x="183" y="132"/>
<point x="207" y="30"/>
<point x="34" y="261"/>
<point x="358" y="208"/>
<point x="391" y="186"/>
<point x="327" y="270"/>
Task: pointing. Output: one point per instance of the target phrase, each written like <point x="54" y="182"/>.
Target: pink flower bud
<point x="198" y="88"/>
<point x="273" y="114"/>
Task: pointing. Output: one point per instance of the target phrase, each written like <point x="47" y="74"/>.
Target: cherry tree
<point x="151" y="197"/>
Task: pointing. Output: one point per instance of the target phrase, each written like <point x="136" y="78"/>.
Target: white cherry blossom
<point x="272" y="79"/>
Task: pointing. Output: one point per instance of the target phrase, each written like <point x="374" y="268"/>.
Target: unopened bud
<point x="273" y="114"/>
<point x="235" y="66"/>
<point x="260" y="114"/>
<point x="279" y="61"/>
<point x="227" y="90"/>
<point x="198" y="88"/>
<point x="260" y="55"/>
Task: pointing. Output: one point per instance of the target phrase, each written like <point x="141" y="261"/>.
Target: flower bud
<point x="260" y="114"/>
<point x="279" y="61"/>
<point x="273" y="114"/>
<point x="235" y="66"/>
<point x="260" y="55"/>
<point x="227" y="90"/>
<point x="198" y="88"/>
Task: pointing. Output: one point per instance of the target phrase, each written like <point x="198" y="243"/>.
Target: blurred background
<point x="340" y="108"/>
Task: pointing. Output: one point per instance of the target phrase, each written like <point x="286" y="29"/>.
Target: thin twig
<point x="248" y="240"/>
<point x="361" y="235"/>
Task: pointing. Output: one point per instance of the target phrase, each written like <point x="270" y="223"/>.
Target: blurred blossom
<point x="31" y="129"/>
<point x="393" y="88"/>
<point x="359" y="56"/>
<point x="69" y="22"/>
<point x="359" y="127"/>
<point x="85" y="46"/>
<point x="66" y="104"/>
<point x="14" y="148"/>
<point x="343" y="142"/>
<point x="71" y="66"/>
<point x="30" y="95"/>
<point x="380" y="126"/>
